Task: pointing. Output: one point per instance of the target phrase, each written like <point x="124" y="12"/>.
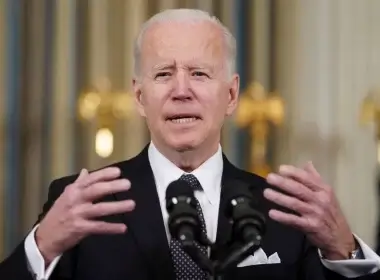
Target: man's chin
<point x="184" y="146"/>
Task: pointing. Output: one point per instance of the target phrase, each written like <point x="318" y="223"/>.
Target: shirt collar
<point x="209" y="174"/>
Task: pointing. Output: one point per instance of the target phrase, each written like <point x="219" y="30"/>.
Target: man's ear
<point x="139" y="99"/>
<point x="233" y="94"/>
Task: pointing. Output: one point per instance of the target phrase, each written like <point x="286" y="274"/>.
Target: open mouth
<point x="180" y="119"/>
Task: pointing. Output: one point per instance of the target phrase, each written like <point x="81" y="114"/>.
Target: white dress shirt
<point x="209" y="175"/>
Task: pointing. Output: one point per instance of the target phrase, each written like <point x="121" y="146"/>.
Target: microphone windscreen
<point x="179" y="188"/>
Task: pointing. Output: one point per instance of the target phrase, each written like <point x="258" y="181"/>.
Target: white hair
<point x="191" y="15"/>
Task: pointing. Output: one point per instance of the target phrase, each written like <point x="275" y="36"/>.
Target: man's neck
<point x="187" y="160"/>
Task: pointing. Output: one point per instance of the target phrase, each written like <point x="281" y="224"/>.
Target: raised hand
<point x="71" y="218"/>
<point x="319" y="214"/>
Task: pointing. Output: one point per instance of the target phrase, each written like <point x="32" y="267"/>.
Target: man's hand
<point x="319" y="214"/>
<point x="70" y="218"/>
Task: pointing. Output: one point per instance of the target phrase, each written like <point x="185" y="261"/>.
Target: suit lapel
<point x="224" y="228"/>
<point x="145" y="223"/>
<point x="231" y="177"/>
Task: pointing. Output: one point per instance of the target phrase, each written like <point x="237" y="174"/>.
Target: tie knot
<point x="193" y="181"/>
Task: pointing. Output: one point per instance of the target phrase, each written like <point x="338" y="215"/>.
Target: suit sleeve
<point x="16" y="265"/>
<point x="312" y="267"/>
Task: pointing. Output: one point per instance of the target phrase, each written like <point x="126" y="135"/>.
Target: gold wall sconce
<point x="105" y="107"/>
<point x="255" y="112"/>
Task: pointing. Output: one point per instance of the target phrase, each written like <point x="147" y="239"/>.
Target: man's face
<point x="183" y="88"/>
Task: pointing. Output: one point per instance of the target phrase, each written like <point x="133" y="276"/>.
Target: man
<point x="112" y="223"/>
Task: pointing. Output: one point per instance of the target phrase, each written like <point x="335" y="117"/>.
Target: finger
<point x="301" y="176"/>
<point x="100" y="227"/>
<point x="288" y="219"/>
<point x="291" y="186"/>
<point x="105" y="174"/>
<point x="309" y="167"/>
<point x="101" y="189"/>
<point x="83" y="173"/>
<point x="109" y="208"/>
<point x="286" y="201"/>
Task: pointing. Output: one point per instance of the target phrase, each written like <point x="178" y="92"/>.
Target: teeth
<point x="183" y="120"/>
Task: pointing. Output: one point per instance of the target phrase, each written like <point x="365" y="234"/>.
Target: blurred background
<point x="310" y="73"/>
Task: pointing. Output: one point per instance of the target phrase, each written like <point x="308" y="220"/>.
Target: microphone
<point x="183" y="223"/>
<point x="241" y="209"/>
<point x="248" y="226"/>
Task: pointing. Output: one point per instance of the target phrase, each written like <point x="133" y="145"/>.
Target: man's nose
<point x="182" y="88"/>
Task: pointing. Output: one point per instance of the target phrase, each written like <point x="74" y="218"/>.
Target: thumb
<point x="83" y="173"/>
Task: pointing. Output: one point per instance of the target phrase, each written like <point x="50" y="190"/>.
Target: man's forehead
<point x="178" y="38"/>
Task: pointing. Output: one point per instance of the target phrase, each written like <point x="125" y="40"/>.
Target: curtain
<point x="255" y="63"/>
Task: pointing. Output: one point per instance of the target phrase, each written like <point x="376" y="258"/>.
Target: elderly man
<point x="111" y="224"/>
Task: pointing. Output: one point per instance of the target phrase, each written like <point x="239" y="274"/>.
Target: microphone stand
<point x="236" y="252"/>
<point x="198" y="257"/>
<point x="236" y="255"/>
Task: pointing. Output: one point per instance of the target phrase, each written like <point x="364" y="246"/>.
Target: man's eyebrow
<point x="190" y="66"/>
<point x="201" y="66"/>
<point x="165" y="66"/>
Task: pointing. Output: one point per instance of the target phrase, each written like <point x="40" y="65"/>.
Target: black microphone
<point x="183" y="223"/>
<point x="248" y="226"/>
<point x="242" y="211"/>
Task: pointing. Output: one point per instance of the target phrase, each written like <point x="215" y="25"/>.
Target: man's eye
<point x="199" y="74"/>
<point x="162" y="74"/>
